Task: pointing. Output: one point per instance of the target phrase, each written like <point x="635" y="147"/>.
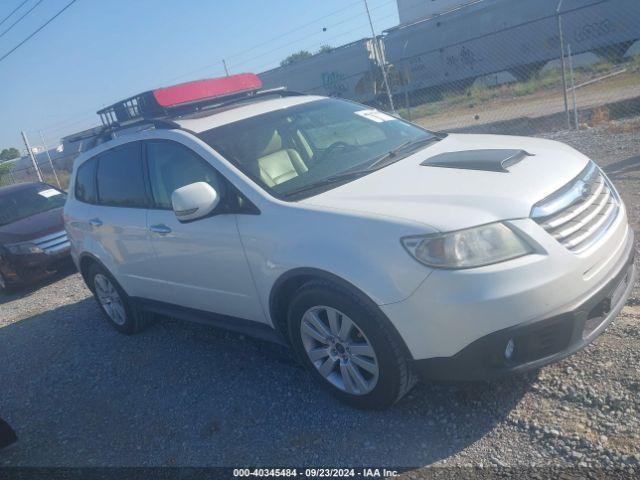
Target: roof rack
<point x="186" y="98"/>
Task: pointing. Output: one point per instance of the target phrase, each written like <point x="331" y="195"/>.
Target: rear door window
<point x="120" y="177"/>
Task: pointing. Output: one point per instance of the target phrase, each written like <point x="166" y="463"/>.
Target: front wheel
<point x="114" y="302"/>
<point x="348" y="346"/>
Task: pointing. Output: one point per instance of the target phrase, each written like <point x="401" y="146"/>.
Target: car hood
<point x="461" y="195"/>
<point x="33" y="227"/>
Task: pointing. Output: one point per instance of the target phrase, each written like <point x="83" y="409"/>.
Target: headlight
<point x="473" y="247"/>
<point x="23" y="248"/>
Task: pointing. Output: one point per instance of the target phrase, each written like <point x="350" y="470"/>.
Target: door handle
<point x="160" y="229"/>
<point x="95" y="222"/>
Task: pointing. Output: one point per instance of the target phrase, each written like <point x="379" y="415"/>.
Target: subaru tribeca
<point x="381" y="252"/>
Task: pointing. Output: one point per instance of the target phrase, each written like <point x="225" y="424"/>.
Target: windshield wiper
<point x="377" y="164"/>
<point x="403" y="147"/>
<point x="349" y="175"/>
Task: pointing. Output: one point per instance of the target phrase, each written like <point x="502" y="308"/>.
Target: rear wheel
<point x="113" y="301"/>
<point x="348" y="346"/>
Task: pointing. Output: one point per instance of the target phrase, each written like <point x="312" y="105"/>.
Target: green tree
<point x="9" y="154"/>
<point x="325" y="49"/>
<point x="296" y="57"/>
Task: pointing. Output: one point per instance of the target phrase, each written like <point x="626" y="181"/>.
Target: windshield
<point x="26" y="202"/>
<point x="296" y="149"/>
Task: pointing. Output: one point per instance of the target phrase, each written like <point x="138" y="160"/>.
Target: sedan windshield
<point x="26" y="202"/>
<point x="302" y="150"/>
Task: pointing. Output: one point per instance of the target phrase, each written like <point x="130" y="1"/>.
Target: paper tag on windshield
<point x="375" y="116"/>
<point x="50" y="192"/>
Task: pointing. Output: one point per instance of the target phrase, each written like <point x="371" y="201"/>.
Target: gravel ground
<point x="80" y="394"/>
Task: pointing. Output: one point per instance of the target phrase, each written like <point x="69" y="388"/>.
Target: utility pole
<point x="226" y="69"/>
<point x="562" y="61"/>
<point x="55" y="174"/>
<point x="33" y="159"/>
<point x="378" y="52"/>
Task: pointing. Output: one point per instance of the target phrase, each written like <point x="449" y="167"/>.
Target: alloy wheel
<point x="339" y="350"/>
<point x="110" y="299"/>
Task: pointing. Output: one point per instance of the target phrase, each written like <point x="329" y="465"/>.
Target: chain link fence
<point x="515" y="79"/>
<point x="56" y="172"/>
<point x="491" y="66"/>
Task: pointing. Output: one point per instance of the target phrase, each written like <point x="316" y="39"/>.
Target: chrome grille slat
<point x="580" y="213"/>
<point x="594" y="229"/>
<point x="584" y="218"/>
<point x="576" y="210"/>
<point x="59" y="247"/>
<point x="53" y="243"/>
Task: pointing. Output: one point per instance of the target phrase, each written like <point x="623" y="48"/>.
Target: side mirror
<point x="194" y="201"/>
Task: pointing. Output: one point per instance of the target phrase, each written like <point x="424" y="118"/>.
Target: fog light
<point x="510" y="349"/>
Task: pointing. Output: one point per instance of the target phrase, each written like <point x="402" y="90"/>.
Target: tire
<point x="372" y="343"/>
<point x="115" y="304"/>
<point x="7" y="287"/>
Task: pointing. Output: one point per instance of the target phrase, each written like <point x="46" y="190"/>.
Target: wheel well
<point x="86" y="262"/>
<point x="281" y="298"/>
<point x="287" y="285"/>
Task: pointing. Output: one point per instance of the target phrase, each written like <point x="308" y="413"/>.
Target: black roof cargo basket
<point x="184" y="99"/>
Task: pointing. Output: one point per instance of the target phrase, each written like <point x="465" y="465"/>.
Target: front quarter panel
<point x="362" y="250"/>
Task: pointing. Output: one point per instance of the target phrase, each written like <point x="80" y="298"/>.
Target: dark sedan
<point x="33" y="241"/>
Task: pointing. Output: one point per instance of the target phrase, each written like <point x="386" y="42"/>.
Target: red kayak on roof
<point x="206" y="89"/>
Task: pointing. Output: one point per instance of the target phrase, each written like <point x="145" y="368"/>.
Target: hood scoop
<point x="491" y="160"/>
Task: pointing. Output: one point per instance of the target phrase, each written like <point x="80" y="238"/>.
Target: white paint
<point x="230" y="263"/>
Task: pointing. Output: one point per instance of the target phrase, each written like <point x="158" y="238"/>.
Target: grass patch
<point x="476" y="96"/>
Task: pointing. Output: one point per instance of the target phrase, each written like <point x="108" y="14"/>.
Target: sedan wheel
<point x="339" y="350"/>
<point x="110" y="299"/>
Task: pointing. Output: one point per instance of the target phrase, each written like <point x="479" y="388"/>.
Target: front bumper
<point x="21" y="269"/>
<point x="541" y="342"/>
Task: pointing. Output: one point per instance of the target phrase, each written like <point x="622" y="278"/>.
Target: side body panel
<point x="202" y="265"/>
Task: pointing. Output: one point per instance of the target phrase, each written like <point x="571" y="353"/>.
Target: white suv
<point x="379" y="251"/>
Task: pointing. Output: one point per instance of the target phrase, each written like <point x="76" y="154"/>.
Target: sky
<point x="100" y="51"/>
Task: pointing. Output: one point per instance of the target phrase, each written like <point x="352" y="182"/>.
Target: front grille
<point x="579" y="214"/>
<point x="54" y="243"/>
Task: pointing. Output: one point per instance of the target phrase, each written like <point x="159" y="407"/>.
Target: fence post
<point x="33" y="159"/>
<point x="406" y="74"/>
<point x="406" y="92"/>
<point x="53" y="169"/>
<point x="573" y="89"/>
<point x="562" y="62"/>
<point x="378" y="50"/>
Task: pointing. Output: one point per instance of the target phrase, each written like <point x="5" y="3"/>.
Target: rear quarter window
<point x="85" y="188"/>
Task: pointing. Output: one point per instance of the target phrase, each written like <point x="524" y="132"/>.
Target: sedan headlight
<point x="473" y="247"/>
<point x="23" y="248"/>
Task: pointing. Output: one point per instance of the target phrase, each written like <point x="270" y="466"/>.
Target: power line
<point x="70" y="122"/>
<point x="359" y="16"/>
<point x="13" y="11"/>
<point x="297" y="29"/>
<point x="270" y="40"/>
<point x="20" y="19"/>
<point x="37" y="30"/>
